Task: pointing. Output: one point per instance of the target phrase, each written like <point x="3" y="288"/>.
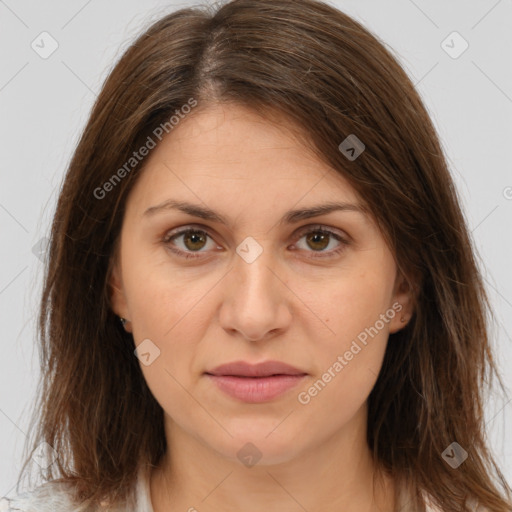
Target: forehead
<point x="229" y="155"/>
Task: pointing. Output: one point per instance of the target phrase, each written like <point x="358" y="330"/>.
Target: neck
<point x="333" y="474"/>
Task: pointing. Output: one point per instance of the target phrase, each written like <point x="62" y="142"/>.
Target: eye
<point x="195" y="239"/>
<point x="318" y="238"/>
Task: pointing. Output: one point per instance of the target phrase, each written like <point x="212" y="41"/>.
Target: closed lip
<point x="264" y="369"/>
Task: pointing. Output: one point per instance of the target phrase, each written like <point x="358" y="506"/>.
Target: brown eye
<point x="193" y="240"/>
<point x="318" y="239"/>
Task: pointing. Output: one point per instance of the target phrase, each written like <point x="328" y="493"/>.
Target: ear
<point x="403" y="303"/>
<point x="118" y="301"/>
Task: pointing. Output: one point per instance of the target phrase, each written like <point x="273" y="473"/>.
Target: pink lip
<point x="255" y="383"/>
<point x="255" y="389"/>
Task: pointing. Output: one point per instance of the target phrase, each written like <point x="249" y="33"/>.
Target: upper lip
<point x="264" y="369"/>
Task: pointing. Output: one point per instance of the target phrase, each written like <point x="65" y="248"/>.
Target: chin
<point x="252" y="446"/>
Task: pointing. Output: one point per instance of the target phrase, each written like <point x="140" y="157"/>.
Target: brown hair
<point x="331" y="77"/>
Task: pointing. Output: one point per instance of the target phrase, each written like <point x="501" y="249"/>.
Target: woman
<point x="261" y="291"/>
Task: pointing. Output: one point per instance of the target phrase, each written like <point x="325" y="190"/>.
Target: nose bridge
<point x="252" y="276"/>
<point x="253" y="303"/>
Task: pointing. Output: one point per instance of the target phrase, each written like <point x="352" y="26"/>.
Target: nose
<point x="255" y="299"/>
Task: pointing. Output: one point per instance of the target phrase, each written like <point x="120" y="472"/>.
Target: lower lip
<point x="256" y="389"/>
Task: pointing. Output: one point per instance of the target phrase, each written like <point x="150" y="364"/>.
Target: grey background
<point x="44" y="104"/>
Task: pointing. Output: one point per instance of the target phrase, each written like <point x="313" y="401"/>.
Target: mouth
<point x="264" y="369"/>
<point x="256" y="383"/>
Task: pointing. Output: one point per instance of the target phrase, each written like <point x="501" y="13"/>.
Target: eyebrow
<point x="290" y="217"/>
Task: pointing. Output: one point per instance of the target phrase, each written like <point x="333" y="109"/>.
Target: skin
<point x="286" y="305"/>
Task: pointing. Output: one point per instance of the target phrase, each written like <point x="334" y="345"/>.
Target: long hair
<point x="332" y="79"/>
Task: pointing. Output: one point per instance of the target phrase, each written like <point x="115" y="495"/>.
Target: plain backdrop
<point x="45" y="102"/>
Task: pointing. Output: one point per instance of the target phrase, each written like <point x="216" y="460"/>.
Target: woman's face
<point x="258" y="284"/>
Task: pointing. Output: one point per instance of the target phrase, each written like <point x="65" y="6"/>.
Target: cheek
<point x="348" y="368"/>
<point x="350" y="306"/>
<point x="161" y="298"/>
<point x="171" y="315"/>
<point x="350" y="352"/>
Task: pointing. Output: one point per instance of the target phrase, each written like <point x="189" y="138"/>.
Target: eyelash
<point x="304" y="231"/>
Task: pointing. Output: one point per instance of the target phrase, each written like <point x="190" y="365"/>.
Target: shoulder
<point x="57" y="497"/>
<point x="430" y="506"/>
<point x="48" y="497"/>
<point x="473" y="506"/>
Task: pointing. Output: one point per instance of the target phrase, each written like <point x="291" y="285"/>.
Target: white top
<point x="54" y="497"/>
